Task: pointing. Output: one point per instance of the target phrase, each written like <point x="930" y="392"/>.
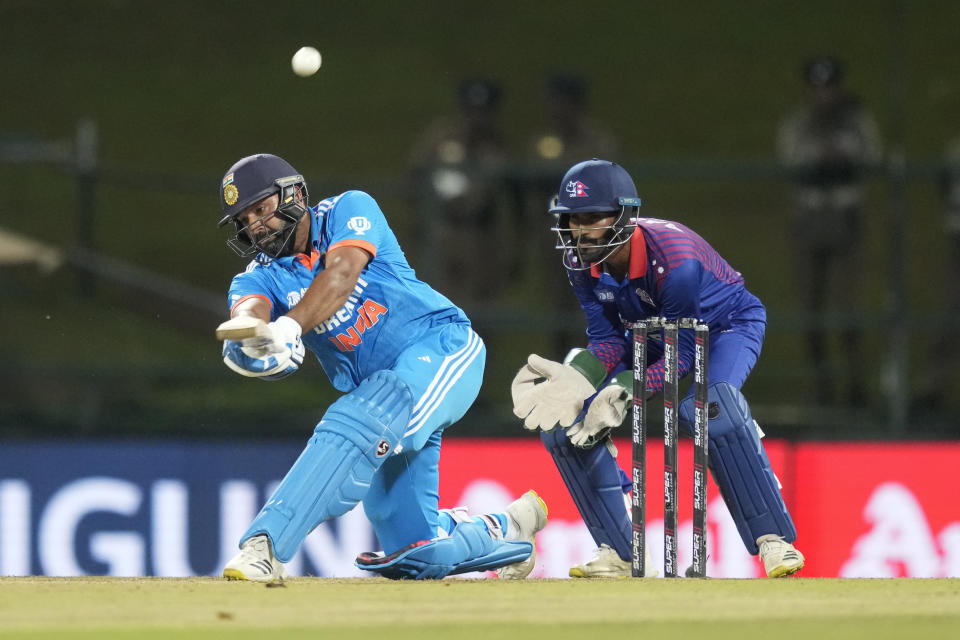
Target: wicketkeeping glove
<point x="269" y="358"/>
<point x="606" y="411"/>
<point x="546" y="393"/>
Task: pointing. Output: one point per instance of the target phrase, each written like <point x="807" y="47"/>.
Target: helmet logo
<point x="383" y="448"/>
<point x="359" y="225"/>
<point x="230" y="194"/>
<point x="576" y="189"/>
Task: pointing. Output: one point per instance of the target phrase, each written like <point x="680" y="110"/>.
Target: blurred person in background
<point x="333" y="279"/>
<point x="828" y="145"/>
<point x="457" y="176"/>
<point x="569" y="133"/>
<point x="940" y="375"/>
<point x="624" y="269"/>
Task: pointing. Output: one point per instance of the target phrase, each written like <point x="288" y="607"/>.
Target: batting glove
<point x="546" y="393"/>
<point x="270" y="358"/>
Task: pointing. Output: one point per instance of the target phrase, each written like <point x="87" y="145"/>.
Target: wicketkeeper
<point x="624" y="269"/>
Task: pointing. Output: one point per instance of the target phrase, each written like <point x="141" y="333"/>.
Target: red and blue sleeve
<point x="605" y="332"/>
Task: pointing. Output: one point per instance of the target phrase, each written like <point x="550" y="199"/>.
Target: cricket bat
<point x="242" y="328"/>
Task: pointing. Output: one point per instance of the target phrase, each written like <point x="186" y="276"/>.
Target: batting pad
<point x="593" y="479"/>
<point x="334" y="471"/>
<point x="468" y="548"/>
<point x="741" y="468"/>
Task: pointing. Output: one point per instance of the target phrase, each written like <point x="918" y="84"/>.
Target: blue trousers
<point x="402" y="503"/>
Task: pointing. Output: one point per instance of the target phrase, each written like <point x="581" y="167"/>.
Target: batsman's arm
<point x="331" y="287"/>
<point x="256" y="306"/>
<point x="271" y="351"/>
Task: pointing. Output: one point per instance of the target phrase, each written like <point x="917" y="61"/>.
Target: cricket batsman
<point x="332" y="279"/>
<point x="624" y="269"/>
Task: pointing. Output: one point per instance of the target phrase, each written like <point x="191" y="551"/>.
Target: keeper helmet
<point x="251" y="180"/>
<point x="594" y="186"/>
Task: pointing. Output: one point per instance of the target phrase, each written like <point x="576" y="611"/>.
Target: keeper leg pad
<point x="334" y="471"/>
<point x="469" y="547"/>
<point x="741" y="468"/>
<point x="593" y="479"/>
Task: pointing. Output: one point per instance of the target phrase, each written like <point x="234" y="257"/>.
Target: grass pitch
<point x="532" y="609"/>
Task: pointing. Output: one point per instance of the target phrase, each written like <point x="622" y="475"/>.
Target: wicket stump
<point x="671" y="391"/>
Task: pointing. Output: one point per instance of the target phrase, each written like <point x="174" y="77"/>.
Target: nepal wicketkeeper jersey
<point x="389" y="309"/>
<point x="673" y="273"/>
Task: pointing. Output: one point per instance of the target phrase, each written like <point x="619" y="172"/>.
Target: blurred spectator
<point x="457" y="172"/>
<point x="828" y="144"/>
<point x="570" y="135"/>
<point x="940" y="373"/>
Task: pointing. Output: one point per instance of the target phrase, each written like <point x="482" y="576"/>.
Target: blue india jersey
<point x="388" y="311"/>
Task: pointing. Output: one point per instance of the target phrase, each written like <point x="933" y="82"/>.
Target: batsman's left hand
<point x="606" y="412"/>
<point x="267" y="358"/>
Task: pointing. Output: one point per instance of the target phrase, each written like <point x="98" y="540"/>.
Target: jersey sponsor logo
<point x="344" y="315"/>
<point x="605" y="295"/>
<point x="576" y="189"/>
<point x="359" y="225"/>
<point x="368" y="314"/>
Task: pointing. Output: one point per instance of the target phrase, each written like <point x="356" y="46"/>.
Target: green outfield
<point x="364" y="608"/>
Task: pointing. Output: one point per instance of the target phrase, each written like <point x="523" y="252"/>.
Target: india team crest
<point x="230" y="194"/>
<point x="576" y="189"/>
<point x="359" y="224"/>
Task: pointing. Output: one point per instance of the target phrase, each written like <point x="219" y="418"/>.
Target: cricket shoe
<point x="255" y="562"/>
<point x="607" y="563"/>
<point x="525" y="517"/>
<point x="780" y="558"/>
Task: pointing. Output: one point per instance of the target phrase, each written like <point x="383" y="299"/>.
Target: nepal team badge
<point x="576" y="189"/>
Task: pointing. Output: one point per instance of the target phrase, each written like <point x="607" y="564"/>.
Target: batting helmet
<point x="251" y="180"/>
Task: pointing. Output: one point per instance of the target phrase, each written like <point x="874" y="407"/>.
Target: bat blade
<point x="242" y="328"/>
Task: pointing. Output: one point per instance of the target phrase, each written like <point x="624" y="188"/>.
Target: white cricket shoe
<point x="607" y="563"/>
<point x="255" y="562"/>
<point x="780" y="558"/>
<point x="525" y="517"/>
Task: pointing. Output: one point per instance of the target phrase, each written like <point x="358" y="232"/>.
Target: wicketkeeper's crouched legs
<point x="596" y="484"/>
<point x="741" y="468"/>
